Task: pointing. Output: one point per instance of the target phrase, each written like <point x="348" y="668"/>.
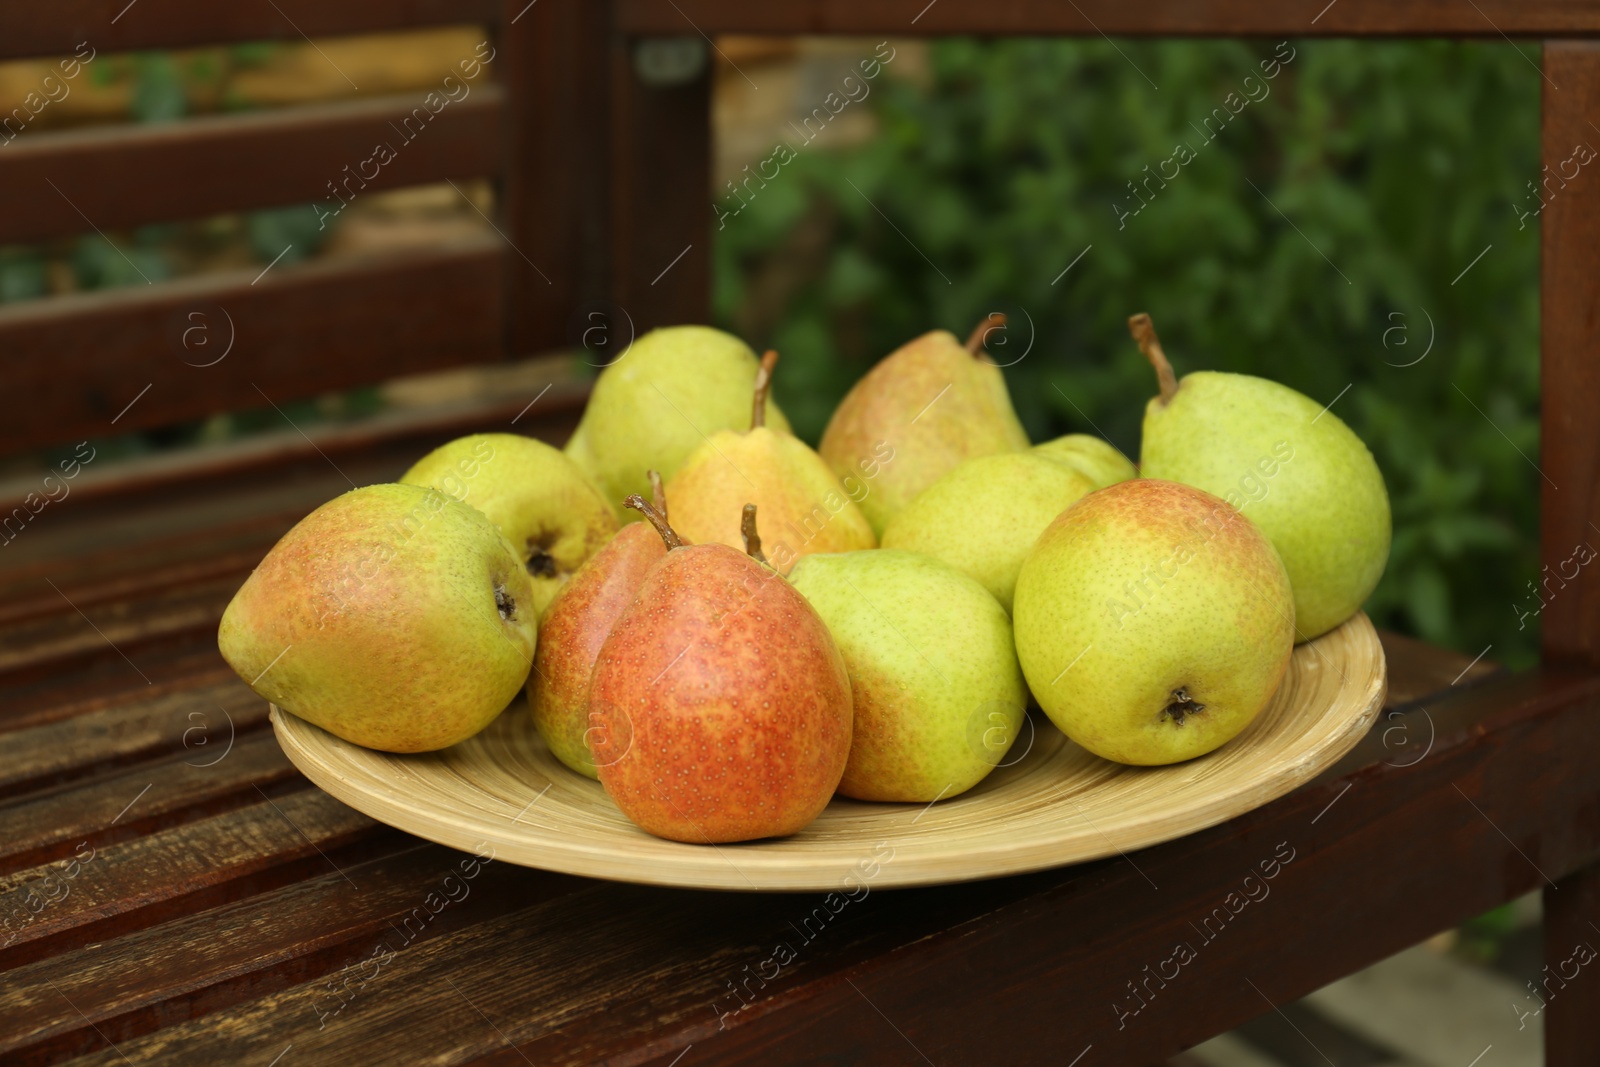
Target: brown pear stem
<point x="658" y="495"/>
<point x="752" y="540"/>
<point x="758" y="412"/>
<point x="658" y="520"/>
<point x="995" y="320"/>
<point x="1144" y="334"/>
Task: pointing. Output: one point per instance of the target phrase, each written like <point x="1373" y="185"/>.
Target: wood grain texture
<point x="198" y="964"/>
<point x="182" y="787"/>
<point x="1019" y="970"/>
<point x="56" y="28"/>
<point x="1569" y="383"/>
<point x="580" y="972"/>
<point x="137" y="727"/>
<point x="1150" y="18"/>
<point x="299" y="331"/>
<point x="1055" y="805"/>
<point x="214" y="164"/>
<point x="134" y="883"/>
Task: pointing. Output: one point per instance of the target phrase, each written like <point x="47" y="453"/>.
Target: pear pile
<point x="871" y="619"/>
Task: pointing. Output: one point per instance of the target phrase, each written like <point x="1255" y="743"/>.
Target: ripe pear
<point x="1153" y="622"/>
<point x="983" y="517"/>
<point x="721" y="707"/>
<point x="661" y="398"/>
<point x="575" y="626"/>
<point x="925" y="408"/>
<point x="542" y="501"/>
<point x="392" y="616"/>
<point x="803" y="505"/>
<point x="1096" y="458"/>
<point x="1287" y="463"/>
<point x="938" y="694"/>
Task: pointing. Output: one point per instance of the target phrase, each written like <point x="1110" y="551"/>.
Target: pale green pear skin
<point x="1097" y="458"/>
<point x="542" y="501"/>
<point x="939" y="697"/>
<point x="1294" y="469"/>
<point x="392" y="617"/>
<point x="984" y="516"/>
<point x="669" y="391"/>
<point x="1143" y="593"/>
<point x="929" y="405"/>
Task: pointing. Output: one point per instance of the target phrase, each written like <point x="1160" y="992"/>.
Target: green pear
<point x="1287" y="463"/>
<point x="668" y="392"/>
<point x="1096" y="458"/>
<point x="984" y="516"/>
<point x="938" y="695"/>
<point x="392" y="616"/>
<point x="542" y="501"/>
<point x="925" y="408"/>
<point x="804" y="508"/>
<point x="1153" y="622"/>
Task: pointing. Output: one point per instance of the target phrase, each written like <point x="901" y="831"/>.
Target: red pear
<point x="574" y="627"/>
<point x="721" y="708"/>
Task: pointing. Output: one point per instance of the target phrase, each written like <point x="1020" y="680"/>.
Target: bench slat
<point x="117" y="25"/>
<point x="214" y="164"/>
<point x="298" y="331"/>
<point x="1090" y="18"/>
<point x="238" y="952"/>
<point x="133" y="884"/>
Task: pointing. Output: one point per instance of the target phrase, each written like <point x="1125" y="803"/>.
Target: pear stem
<point x="752" y="540"/>
<point x="1144" y="334"/>
<point x="658" y="520"/>
<point x="758" y="410"/>
<point x="995" y="320"/>
<point x="658" y="495"/>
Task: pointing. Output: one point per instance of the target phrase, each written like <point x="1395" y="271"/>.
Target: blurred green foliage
<point x="1319" y="239"/>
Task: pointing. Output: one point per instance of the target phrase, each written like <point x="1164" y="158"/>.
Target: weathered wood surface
<point x="231" y="911"/>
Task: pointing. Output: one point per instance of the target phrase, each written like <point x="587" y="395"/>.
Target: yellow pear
<point x="804" y="507"/>
<point x="392" y="616"/>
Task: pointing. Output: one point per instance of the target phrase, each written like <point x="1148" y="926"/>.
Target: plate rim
<point x="685" y="866"/>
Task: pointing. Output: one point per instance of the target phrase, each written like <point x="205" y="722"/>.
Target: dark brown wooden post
<point x="1570" y="460"/>
<point x="556" y="214"/>
<point x="661" y="178"/>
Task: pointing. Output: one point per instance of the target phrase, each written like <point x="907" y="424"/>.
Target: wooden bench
<point x="173" y="891"/>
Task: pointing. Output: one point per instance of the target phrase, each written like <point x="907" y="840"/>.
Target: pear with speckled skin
<point x="1289" y="464"/>
<point x="1153" y="622"/>
<point x="658" y="401"/>
<point x="541" y="500"/>
<point x="719" y="703"/>
<point x="804" y="507"/>
<point x="983" y="517"/>
<point x="1091" y="456"/>
<point x="574" y="628"/>
<point x="392" y="616"/>
<point x="938" y="695"/>
<point x="921" y="411"/>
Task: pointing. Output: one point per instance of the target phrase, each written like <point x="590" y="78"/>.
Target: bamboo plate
<point x="1053" y="806"/>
